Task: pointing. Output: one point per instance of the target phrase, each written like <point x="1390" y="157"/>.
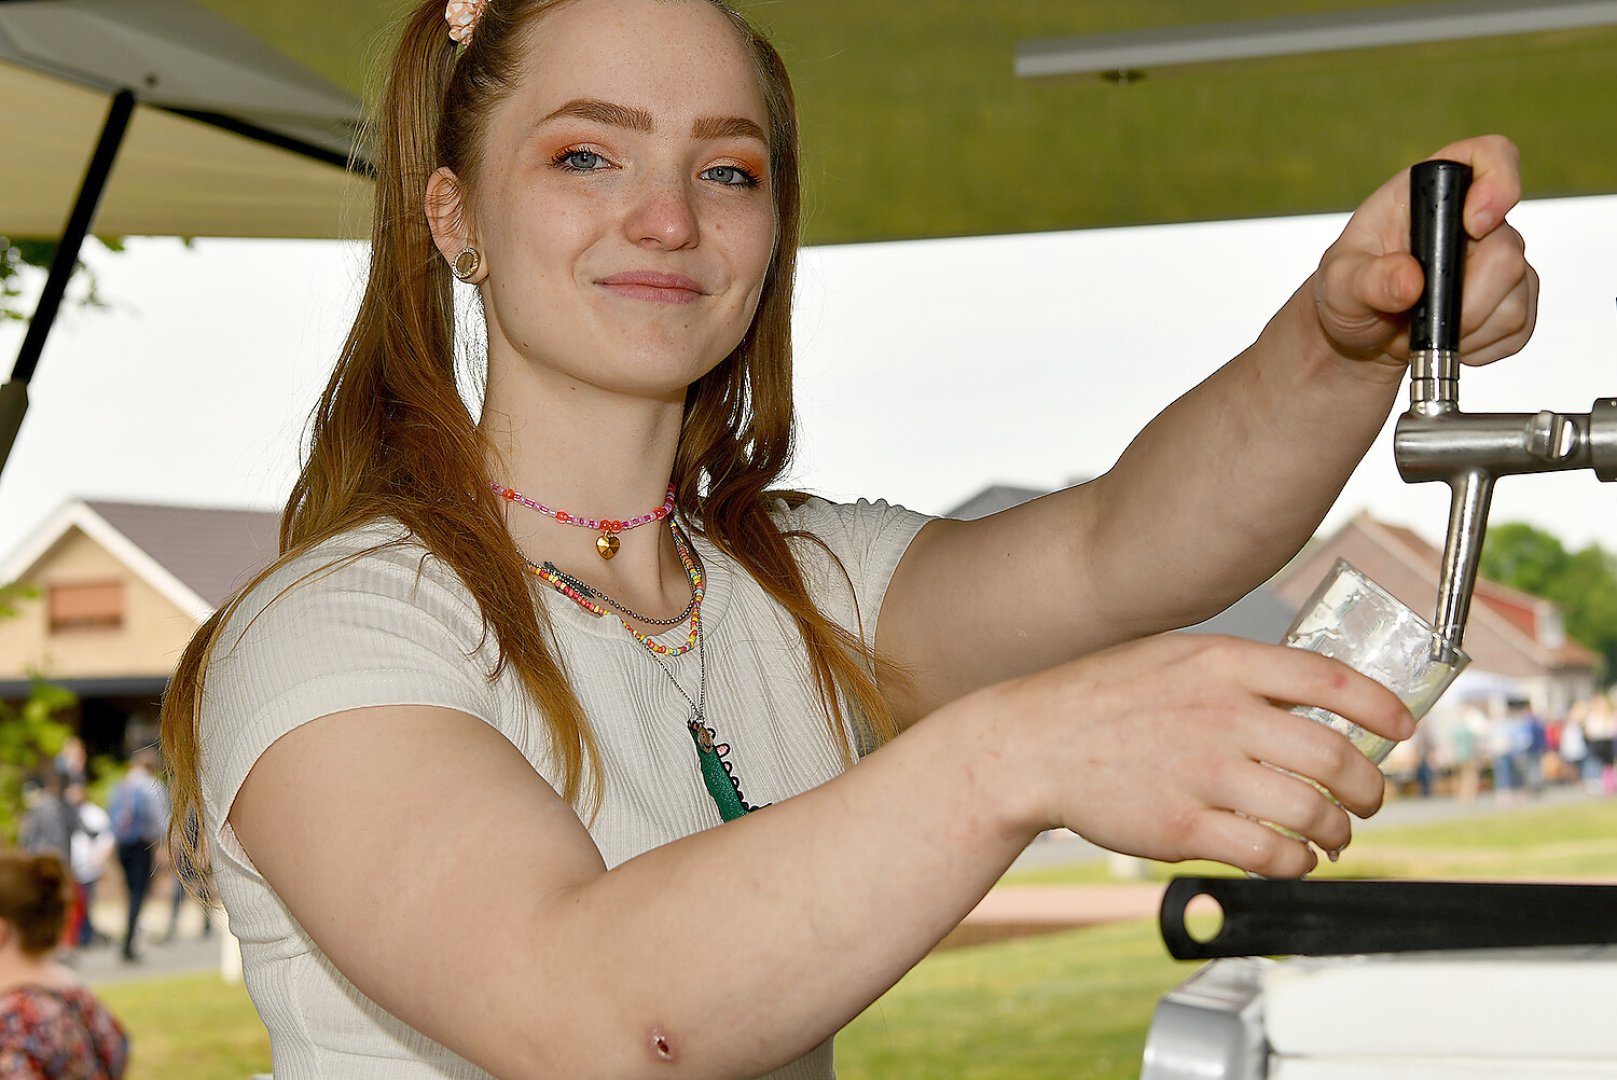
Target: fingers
<point x="1501" y="298"/>
<point x="1300" y="677"/>
<point x="1309" y="749"/>
<point x="1275" y="796"/>
<point x="1368" y="281"/>
<point x="1496" y="183"/>
<point x="1363" y="287"/>
<point x="1248" y="845"/>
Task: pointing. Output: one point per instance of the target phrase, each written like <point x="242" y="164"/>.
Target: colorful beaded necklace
<point x="565" y="584"/>
<point x="712" y="756"/>
<point x="606" y="545"/>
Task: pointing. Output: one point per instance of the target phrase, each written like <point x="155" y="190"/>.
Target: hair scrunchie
<point x="462" y="16"/>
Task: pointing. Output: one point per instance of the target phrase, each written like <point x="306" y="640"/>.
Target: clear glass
<point x="1353" y="619"/>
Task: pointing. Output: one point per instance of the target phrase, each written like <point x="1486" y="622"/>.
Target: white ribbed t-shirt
<point x="395" y="626"/>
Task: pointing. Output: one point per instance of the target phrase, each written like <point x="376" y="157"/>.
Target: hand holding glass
<point x="1351" y="618"/>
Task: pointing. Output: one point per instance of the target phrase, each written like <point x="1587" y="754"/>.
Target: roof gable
<point x="1510" y="616"/>
<point x="213" y="551"/>
<point x="194" y="556"/>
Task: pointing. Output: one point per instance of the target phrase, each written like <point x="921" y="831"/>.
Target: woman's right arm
<point x="454" y="887"/>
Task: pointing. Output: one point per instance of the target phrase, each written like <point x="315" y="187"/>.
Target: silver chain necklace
<point x="699" y="703"/>
<point x="593" y="593"/>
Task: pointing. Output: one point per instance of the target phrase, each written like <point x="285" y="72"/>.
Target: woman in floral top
<point x="51" y="1026"/>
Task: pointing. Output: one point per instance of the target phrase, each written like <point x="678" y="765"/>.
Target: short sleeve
<point x="348" y="625"/>
<point x="859" y="547"/>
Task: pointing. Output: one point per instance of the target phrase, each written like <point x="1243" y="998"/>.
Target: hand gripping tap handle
<point x="1437" y="240"/>
<point x="1434" y="440"/>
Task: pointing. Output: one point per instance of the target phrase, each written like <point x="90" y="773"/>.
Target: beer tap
<point x="1434" y="440"/>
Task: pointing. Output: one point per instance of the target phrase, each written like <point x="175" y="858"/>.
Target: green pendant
<point x="721" y="787"/>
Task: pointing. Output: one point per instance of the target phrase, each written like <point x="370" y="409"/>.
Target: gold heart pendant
<point x="607" y="545"/>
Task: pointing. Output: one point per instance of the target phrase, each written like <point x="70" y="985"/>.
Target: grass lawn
<point x="194" y="1027"/>
<point x="1526" y="843"/>
<point x="1071" y="1005"/>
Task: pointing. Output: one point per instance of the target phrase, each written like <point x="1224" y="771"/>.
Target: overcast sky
<point x="927" y="370"/>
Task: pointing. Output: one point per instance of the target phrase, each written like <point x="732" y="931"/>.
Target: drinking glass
<point x="1351" y="618"/>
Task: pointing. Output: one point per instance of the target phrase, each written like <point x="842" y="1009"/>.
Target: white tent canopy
<point x="190" y="125"/>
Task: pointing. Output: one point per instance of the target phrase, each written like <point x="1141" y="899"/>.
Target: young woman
<point x="462" y="749"/>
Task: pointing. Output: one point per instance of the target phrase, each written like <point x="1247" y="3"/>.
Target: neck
<point x="17" y="968"/>
<point x="593" y="454"/>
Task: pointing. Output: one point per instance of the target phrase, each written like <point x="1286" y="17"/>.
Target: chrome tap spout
<point x="1435" y="441"/>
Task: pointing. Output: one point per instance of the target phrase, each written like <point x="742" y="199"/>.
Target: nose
<point x="663" y="215"/>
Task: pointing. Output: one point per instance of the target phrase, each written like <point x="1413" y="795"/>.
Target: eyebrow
<point x="627" y="116"/>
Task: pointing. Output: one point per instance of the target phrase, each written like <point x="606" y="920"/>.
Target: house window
<point x="1551" y="629"/>
<point x="86" y="605"/>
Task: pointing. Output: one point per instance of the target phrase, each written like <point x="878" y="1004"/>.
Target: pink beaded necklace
<point x="606" y="545"/>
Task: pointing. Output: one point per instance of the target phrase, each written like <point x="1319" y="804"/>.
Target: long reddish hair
<point x="391" y="436"/>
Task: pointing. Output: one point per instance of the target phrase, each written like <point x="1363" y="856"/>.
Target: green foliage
<point x="30" y="734"/>
<point x="1584" y="583"/>
<point x="18" y="257"/>
<point x="11" y="594"/>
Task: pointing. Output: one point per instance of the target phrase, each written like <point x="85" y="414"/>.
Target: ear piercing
<point x="467" y="261"/>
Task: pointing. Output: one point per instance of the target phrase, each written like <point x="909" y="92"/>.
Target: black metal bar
<point x="1326" y="918"/>
<point x="351" y="161"/>
<point x="14" y="394"/>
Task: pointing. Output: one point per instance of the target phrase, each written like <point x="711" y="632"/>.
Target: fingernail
<point x="1483" y="221"/>
<point x="1334" y="854"/>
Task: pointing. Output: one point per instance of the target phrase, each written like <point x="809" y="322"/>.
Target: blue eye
<point x="581" y="160"/>
<point x="730" y="176"/>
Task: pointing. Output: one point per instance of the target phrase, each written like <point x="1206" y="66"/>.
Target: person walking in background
<point x="139" y="812"/>
<point x="72" y="762"/>
<point x="1467" y="734"/>
<point x="1600" y="729"/>
<point x="92" y="849"/>
<point x="51" y="1026"/>
<point x="1507" y="778"/>
<point x="1530" y="743"/>
<point x="47" y="821"/>
<point x="1574" y="745"/>
<point x="47" y="828"/>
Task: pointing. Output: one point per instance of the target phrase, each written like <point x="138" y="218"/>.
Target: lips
<point x="653" y="286"/>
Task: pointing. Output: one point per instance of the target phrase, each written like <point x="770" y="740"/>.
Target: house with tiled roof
<point x="1517" y="642"/>
<point x="119" y="588"/>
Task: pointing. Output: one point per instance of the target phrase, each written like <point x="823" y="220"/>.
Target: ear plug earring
<point x="467" y="260"/>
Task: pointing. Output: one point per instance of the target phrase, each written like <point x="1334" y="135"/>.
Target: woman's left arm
<point x="1223" y="486"/>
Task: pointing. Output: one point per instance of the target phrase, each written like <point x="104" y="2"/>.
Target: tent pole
<point x="14" y="394"/>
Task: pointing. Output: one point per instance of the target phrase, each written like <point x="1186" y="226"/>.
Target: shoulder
<point x="857" y="532"/>
<point x="847" y="552"/>
<point x="376" y="572"/>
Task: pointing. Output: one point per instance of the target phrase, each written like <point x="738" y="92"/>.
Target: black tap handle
<point x="1437" y="239"/>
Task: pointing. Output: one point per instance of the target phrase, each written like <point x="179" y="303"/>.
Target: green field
<point x="1069" y="1005"/>
<point x="1526" y="843"/>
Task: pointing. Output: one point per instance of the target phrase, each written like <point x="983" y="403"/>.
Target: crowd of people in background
<point x="120" y="843"/>
<point x="1513" y="751"/>
<point x="55" y="900"/>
